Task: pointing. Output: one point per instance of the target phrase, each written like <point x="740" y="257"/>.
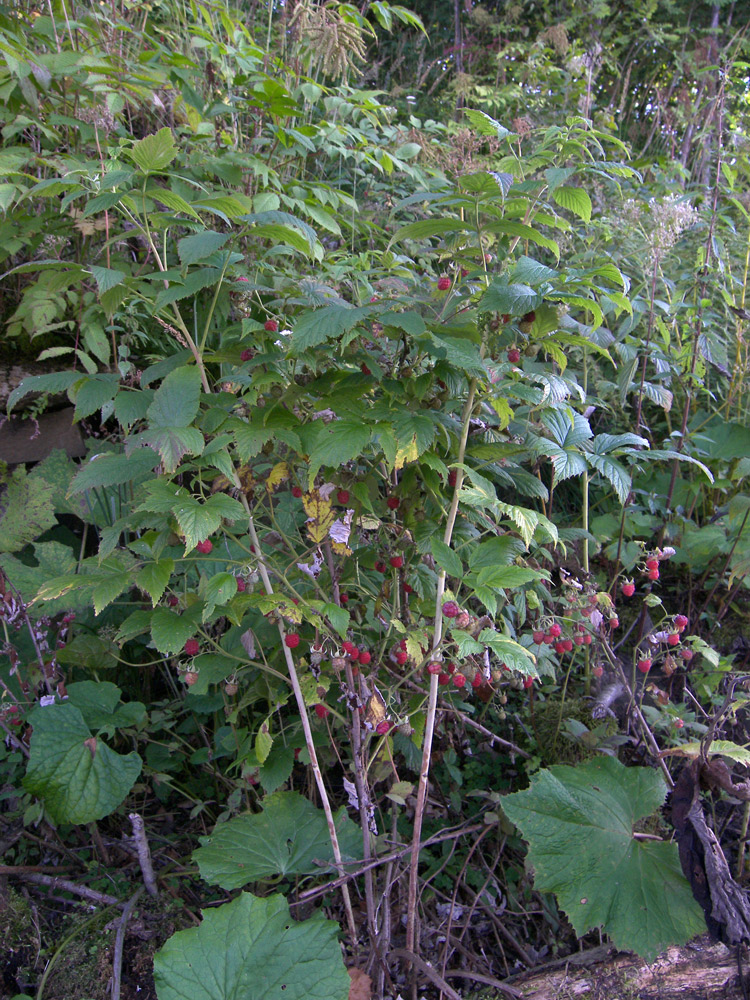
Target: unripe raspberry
<point x="614" y="622"/>
<point x="192" y="647"/>
<point x="451" y="609"/>
<point x="678" y="723"/>
<point x="463" y="619"/>
<point x="190" y="677"/>
<point x="231" y="688"/>
<point x="687" y="654"/>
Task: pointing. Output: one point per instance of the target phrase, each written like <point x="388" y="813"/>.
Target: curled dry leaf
<point x="360" y="988"/>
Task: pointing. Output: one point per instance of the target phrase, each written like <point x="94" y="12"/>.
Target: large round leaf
<point x="252" y="948"/>
<point x="77" y="775"/>
<point x="579" y="822"/>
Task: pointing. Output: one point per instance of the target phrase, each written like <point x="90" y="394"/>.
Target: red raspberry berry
<point x="451" y="609"/>
<point x="477" y="680"/>
<point x="567" y="645"/>
<point x="673" y="638"/>
<point x="452" y="477"/>
<point x="291" y="639"/>
<point x="459" y="680"/>
<point x="321" y="711"/>
<point x="392" y="503"/>
<point x="555" y="630"/>
<point x="364" y="369"/>
<point x="402" y="644"/>
<point x="173" y="600"/>
<point x="271" y="325"/>
<point x="578" y="640"/>
<point x="343" y="496"/>
<point x="598" y="670"/>
<point x="587" y="639"/>
<point x="444" y="679"/>
<point x="380" y="567"/>
<point x="364" y="657"/>
<point x="434" y="667"/>
<point x="528" y="682"/>
<point x="241" y="585"/>
<point x="344" y="598"/>
<point x="614" y="622"/>
<point x="687" y="654"/>
<point x="190" y="677"/>
<point x="296" y="492"/>
<point x="652" y="563"/>
<point x="538" y="637"/>
<point x="396" y="561"/>
<point x="560" y="648"/>
<point x="678" y="723"/>
<point x="548" y="639"/>
<point x="644" y="665"/>
<point x="653" y="574"/>
<point x="408" y="589"/>
<point x="628" y="589"/>
<point x="681" y="622"/>
<point x="246" y="354"/>
<point x="383" y="727"/>
<point x="231" y="688"/>
<point x="205" y="546"/>
<point x="514" y="355"/>
<point x="192" y="647"/>
<point x="444" y="283"/>
<point x="529" y="317"/>
<point x="401" y="658"/>
<point x="348" y="647"/>
<point x="354" y="656"/>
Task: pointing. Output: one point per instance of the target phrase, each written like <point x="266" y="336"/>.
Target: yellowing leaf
<point x="263" y="740"/>
<point x="277" y="475"/>
<point x="320" y="514"/>
<point x="340" y="549"/>
<point x="406" y="453"/>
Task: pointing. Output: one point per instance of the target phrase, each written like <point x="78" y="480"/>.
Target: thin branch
<point x="122" y="923"/>
<point x="144" y="854"/>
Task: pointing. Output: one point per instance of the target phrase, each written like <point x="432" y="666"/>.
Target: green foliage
<point x="251" y="945"/>
<point x="580" y="824"/>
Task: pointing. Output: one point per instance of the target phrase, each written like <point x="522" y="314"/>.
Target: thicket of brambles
<point x="405" y="573"/>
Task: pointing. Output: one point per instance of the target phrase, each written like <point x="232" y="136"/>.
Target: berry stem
<point x="433" y="694"/>
<point x="305" y="720"/>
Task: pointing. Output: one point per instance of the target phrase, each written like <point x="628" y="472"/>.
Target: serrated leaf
<point x="154" y="152"/>
<point x="485" y="124"/>
<point x="515" y="299"/>
<point x="154" y="577"/>
<point x="26" y="510"/>
<point x="338" y="443"/>
<point x="170" y="630"/>
<point x="446" y="558"/>
<point x="313" y="328"/>
<point x="52" y="558"/>
<point x="79" y="780"/>
<point x="528" y="271"/>
<point x="575" y="200"/>
<point x="177" y="399"/>
<point x="511" y="653"/>
<point x="106" y="277"/>
<point x="193" y="249"/>
<point x="173" y="443"/>
<point x="252" y="948"/>
<point x="501" y="577"/>
<point x="113" y="469"/>
<point x="632" y="888"/>
<point x="99" y="704"/>
<point x="52" y="383"/>
<point x="500" y="551"/>
<point x="263" y="741"/>
<point x="290" y="837"/>
<point x="461" y="353"/>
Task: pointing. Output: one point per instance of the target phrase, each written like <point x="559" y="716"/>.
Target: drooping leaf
<point x="26" y="510"/>
<point x="193" y="249"/>
<point x="340" y="442"/>
<point x="446" y="558"/>
<point x="575" y="200"/>
<point x="252" y="948"/>
<point x="77" y="775"/>
<point x="580" y="822"/>
<point x="154" y="152"/>
<point x="113" y="469"/>
<point x="176" y="401"/>
<point x="154" y="577"/>
<point x="515" y="299"/>
<point x="100" y="705"/>
<point x="290" y="837"/>
<point x="315" y="327"/>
